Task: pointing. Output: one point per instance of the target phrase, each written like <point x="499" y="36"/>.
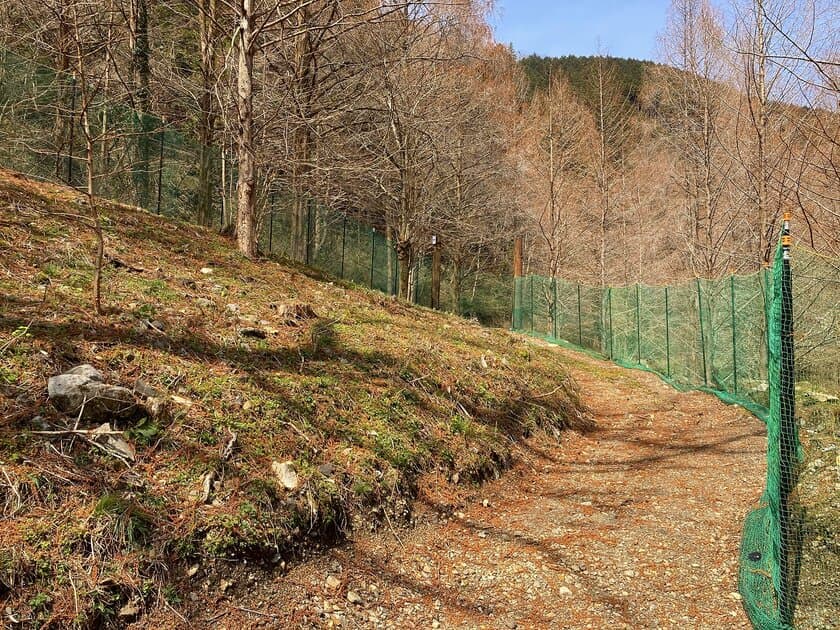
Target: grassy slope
<point x="399" y="400"/>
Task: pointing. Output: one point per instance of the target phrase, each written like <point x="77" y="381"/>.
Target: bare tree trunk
<point x="207" y="118"/>
<point x="246" y="183"/>
<point x="139" y="32"/>
<point x="404" y="257"/>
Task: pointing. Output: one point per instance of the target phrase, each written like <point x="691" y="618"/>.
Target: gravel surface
<point x="635" y="525"/>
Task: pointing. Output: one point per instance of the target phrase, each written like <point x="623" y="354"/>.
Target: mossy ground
<point x="393" y="398"/>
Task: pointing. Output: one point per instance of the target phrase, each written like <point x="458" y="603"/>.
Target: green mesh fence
<point x="138" y="159"/>
<point x="735" y="337"/>
<point x="142" y="160"/>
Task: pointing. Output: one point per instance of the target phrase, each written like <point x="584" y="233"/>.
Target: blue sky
<point x="563" y="27"/>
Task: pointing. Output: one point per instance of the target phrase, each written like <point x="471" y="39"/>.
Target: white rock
<point x="565" y="591"/>
<point x="206" y="270"/>
<point x="286" y="474"/>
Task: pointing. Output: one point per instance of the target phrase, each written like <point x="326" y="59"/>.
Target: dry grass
<point x="386" y="394"/>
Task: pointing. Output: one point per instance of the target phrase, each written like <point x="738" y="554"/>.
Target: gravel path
<point x="635" y="525"/>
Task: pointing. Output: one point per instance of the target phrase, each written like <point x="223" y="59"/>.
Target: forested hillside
<point x="630" y="73"/>
<point x="410" y="118"/>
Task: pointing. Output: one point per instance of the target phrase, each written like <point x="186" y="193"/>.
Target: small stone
<point x="192" y="570"/>
<point x="225" y="585"/>
<point x="485" y="503"/>
<point x="286" y="474"/>
<point x="84" y="392"/>
<point x="326" y="469"/>
<point x="145" y="390"/>
<point x="290" y="314"/>
<point x="207" y="270"/>
<point x="353" y="597"/>
<point x="435" y="623"/>
<point x="333" y="582"/>
<point x="565" y="591"/>
<point x="131" y="609"/>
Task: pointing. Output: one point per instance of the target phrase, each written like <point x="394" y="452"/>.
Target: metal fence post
<point x="580" y="317"/>
<point x="667" y="336"/>
<point x="343" y="242"/>
<point x="609" y="321"/>
<point x="638" y="325"/>
<point x="372" y="252"/>
<point x="162" y="135"/>
<point x="702" y="332"/>
<point x="734" y="337"/>
<point x="308" y="253"/>
<point x="531" y="284"/>
<point x="272" y="202"/>
<point x="788" y="440"/>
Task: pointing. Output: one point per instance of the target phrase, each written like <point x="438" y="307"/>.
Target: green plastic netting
<point x="734" y="337"/>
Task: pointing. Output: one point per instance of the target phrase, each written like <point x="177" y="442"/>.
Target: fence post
<point x="372" y="252"/>
<point x="517" y="285"/>
<point x="788" y="439"/>
<point x="638" y="325"/>
<point x="580" y="317"/>
<point x="435" y="273"/>
<point x="72" y="129"/>
<point x="667" y="336"/>
<point x="308" y="253"/>
<point x="554" y="287"/>
<point x="396" y="270"/>
<point x="417" y="269"/>
<point x="734" y="336"/>
<point x="272" y="202"/>
<point x="609" y="321"/>
<point x="702" y="332"/>
<point x="162" y="136"/>
<point x="531" y="283"/>
<point x="343" y="242"/>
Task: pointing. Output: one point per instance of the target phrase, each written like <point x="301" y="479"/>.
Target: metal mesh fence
<point x="737" y="337"/>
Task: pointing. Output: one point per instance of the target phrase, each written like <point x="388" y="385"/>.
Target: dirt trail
<point x="635" y="525"/>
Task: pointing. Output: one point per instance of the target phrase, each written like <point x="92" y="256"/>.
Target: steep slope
<point x="370" y="404"/>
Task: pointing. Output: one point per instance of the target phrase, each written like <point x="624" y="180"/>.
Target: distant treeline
<point x="577" y="70"/>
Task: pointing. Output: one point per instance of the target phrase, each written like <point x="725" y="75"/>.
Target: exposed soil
<point x="634" y="525"/>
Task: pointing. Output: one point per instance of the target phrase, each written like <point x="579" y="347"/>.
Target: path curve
<point x="636" y="525"/>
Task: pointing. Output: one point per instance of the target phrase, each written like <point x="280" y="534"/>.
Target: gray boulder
<point x="88" y="371"/>
<point x="83" y="387"/>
